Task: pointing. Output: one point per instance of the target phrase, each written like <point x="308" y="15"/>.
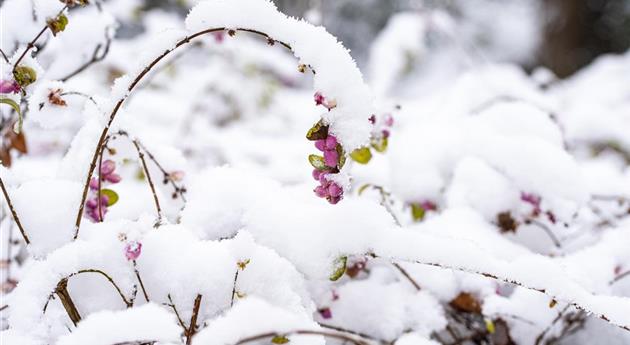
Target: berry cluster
<point x="96" y="209"/>
<point x="327" y="189"/>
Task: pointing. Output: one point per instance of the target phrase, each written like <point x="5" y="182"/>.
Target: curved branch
<point x="122" y="296"/>
<point x="31" y="44"/>
<point x="131" y="87"/>
<point x="503" y="279"/>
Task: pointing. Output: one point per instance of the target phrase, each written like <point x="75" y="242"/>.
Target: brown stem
<point x="545" y="228"/>
<point x="541" y="336"/>
<point x="4" y="56"/>
<point x="192" y="329"/>
<point x="234" y="288"/>
<point x="144" y="291"/>
<point x="111" y="281"/>
<point x="100" y="183"/>
<point x="179" y="318"/>
<point x="95" y="57"/>
<point x="13" y="212"/>
<point x="146" y="172"/>
<point x="407" y="275"/>
<point x="120" y="102"/>
<point x="620" y="277"/>
<point x="31" y="44"/>
<point x="67" y="302"/>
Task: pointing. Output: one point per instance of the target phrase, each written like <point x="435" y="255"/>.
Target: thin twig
<point x="31" y="44"/>
<point x="620" y="277"/>
<point x="95" y="56"/>
<point x="192" y="329"/>
<point x="4" y="56"/>
<point x="149" y="180"/>
<point x="505" y="280"/>
<point x="131" y="87"/>
<point x="13" y="212"/>
<point x="179" y="318"/>
<point x="234" y="288"/>
<point x="358" y="334"/>
<point x="547" y="230"/>
<point x="110" y="279"/>
<point x="144" y="291"/>
<point x="541" y="336"/>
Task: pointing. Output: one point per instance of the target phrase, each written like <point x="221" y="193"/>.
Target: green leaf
<point x="380" y="145"/>
<point x="24" y="75"/>
<point x="319" y="131"/>
<point x="490" y="326"/>
<point x="340" y="268"/>
<point x="362" y="155"/>
<point x="279" y="339"/>
<point x="363" y="188"/>
<point x="317" y="162"/>
<point x="111" y="196"/>
<point x="17" y="128"/>
<point x="417" y="212"/>
<point x="58" y="24"/>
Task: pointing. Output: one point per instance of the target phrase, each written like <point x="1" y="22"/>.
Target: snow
<point x="221" y="121"/>
<point x="148" y="322"/>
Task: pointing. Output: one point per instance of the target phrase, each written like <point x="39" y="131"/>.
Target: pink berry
<point x="108" y="167"/>
<point x="320" y="144"/>
<point x="325" y="313"/>
<point x="331" y="158"/>
<point x="9" y="86"/>
<point x="94" y="183"/>
<point x="331" y="143"/>
<point x="317" y="174"/>
<point x="334" y="190"/>
<point x="319" y="98"/>
<point x="133" y="250"/>
<point x="320" y="191"/>
<point x="113" y="178"/>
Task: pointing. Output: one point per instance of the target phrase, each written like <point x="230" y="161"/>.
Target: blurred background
<point x="563" y="35"/>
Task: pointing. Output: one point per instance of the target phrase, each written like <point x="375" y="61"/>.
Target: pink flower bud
<point x="113" y="178"/>
<point x="319" y="98"/>
<point x="372" y="119"/>
<point x="389" y="120"/>
<point x="94" y="183"/>
<point x="219" y="36"/>
<point x="385" y="133"/>
<point x="133" y="250"/>
<point x="320" y="144"/>
<point x="320" y="191"/>
<point x="9" y="86"/>
<point x="428" y="205"/>
<point x="331" y="158"/>
<point x="91" y="203"/>
<point x="335" y="190"/>
<point x="331" y="143"/>
<point x="325" y="313"/>
<point x="108" y="167"/>
<point x="317" y="174"/>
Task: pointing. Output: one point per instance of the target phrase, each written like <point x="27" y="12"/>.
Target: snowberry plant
<point x="225" y="255"/>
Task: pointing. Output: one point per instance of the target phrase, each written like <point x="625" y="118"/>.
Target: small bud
<point x="58" y="24"/>
<point x="325" y="313"/>
<point x="271" y="41"/>
<point x="24" y="75"/>
<point x="302" y="68"/>
<point x="54" y="97"/>
<point x="133" y="250"/>
<point x="232" y="32"/>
